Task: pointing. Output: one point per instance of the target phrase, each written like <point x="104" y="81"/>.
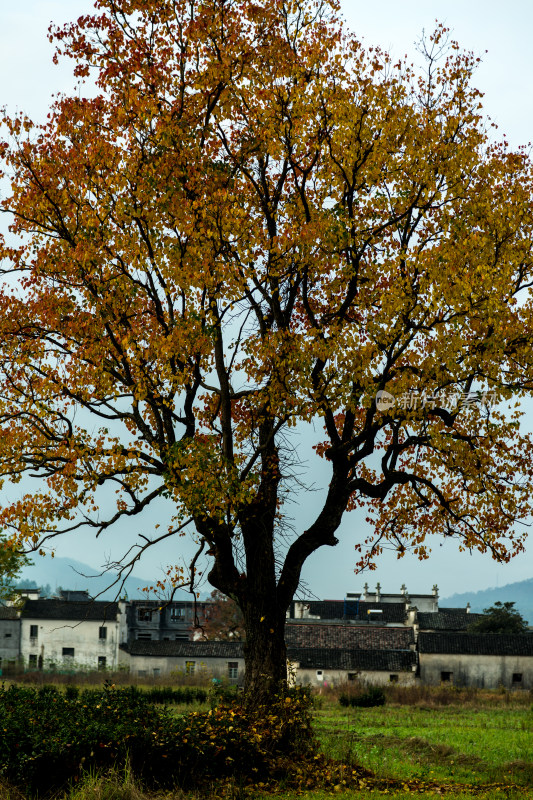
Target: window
<point x="181" y="637"/>
<point x="32" y="661"/>
<point x="446" y="677"/>
<point x="102" y="662"/>
<point x="34" y="631"/>
<point x="233" y="670"/>
<point x="189" y="667"/>
<point x="176" y="613"/>
<point x="142" y="673"/>
<point x="145" y="636"/>
<point x="517" y="677"/>
<point x="144" y="614"/>
<point x="68" y="652"/>
<point x="7" y="635"/>
<point x="393" y="678"/>
<point x="319" y="675"/>
<point x="156" y="672"/>
<point x="102" y="634"/>
<point x="352" y="676"/>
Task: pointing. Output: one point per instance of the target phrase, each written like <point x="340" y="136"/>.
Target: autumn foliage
<point x="224" y="620"/>
<point x="253" y="227"/>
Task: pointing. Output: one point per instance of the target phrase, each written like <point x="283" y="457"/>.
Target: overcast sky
<point x="498" y="32"/>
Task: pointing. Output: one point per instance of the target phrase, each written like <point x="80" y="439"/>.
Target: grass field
<point x="442" y="744"/>
<point x="439" y="744"/>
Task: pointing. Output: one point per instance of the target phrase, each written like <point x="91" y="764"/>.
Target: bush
<point x="372" y="697"/>
<point x="48" y="739"/>
<point x="181" y="696"/>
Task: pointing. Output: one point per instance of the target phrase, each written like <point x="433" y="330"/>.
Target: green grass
<point x="442" y="744"/>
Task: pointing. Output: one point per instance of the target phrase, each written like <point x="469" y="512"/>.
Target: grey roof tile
<point x="338" y="636"/>
<point x="357" y="610"/>
<point x="476" y="644"/>
<point x="447" y="619"/>
<point x="370" y="660"/>
<point x="185" y="649"/>
<point x="95" y="610"/>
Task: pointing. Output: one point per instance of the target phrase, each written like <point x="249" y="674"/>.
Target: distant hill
<point x="521" y="593"/>
<point x="70" y="574"/>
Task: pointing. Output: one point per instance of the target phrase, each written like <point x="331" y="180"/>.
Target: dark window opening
<point x="146" y="636"/>
<point x="34" y="631"/>
<point x="32" y="661"/>
<point x="393" y="678"/>
<point x="68" y="652"/>
<point x="102" y="634"/>
<point x="352" y="676"/>
<point x="446" y="677"/>
<point x="102" y="662"/>
<point x="517" y="677"/>
<point x="144" y="614"/>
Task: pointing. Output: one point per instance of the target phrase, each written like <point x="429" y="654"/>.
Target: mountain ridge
<point x="68" y="573"/>
<point x="520" y="593"/>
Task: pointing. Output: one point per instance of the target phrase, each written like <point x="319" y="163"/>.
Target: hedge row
<point x="368" y="699"/>
<point x="158" y="694"/>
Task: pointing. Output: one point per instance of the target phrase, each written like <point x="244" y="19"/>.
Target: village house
<point x="152" y="620"/>
<point x="9" y="639"/>
<point x="485" y="661"/>
<point x="332" y="667"/>
<point x="68" y="635"/>
<point x="374" y="638"/>
<point x="144" y="658"/>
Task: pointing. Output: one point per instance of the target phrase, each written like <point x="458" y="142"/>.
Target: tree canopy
<point x="12" y="561"/>
<point x="224" y="620"/>
<point x="256" y="225"/>
<point x="500" y="618"/>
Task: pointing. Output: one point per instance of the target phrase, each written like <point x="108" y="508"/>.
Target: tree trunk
<point x="265" y="653"/>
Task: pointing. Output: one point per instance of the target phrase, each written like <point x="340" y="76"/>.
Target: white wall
<point x="311" y="677"/>
<point x="83" y="637"/>
<point x="484" y="672"/>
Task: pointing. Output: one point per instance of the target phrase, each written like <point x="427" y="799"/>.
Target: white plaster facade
<point x="340" y="677"/>
<point x="65" y="644"/>
<point x="480" y="671"/>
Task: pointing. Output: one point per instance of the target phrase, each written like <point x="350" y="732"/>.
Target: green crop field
<point x="480" y="745"/>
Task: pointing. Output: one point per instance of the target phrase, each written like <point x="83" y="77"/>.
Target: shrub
<point x="48" y="739"/>
<point x="184" y="696"/>
<point x="372" y="697"/>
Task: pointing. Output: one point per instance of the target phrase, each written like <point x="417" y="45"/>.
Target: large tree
<point x="251" y="227"/>
<point x="500" y="618"/>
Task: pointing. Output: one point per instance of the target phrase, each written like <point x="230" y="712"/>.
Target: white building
<point x="65" y="635"/>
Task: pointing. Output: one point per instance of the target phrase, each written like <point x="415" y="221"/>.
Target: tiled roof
<point x="338" y="636"/>
<point x="185" y="649"/>
<point x="476" y="644"/>
<point x="357" y="610"/>
<point x="378" y="660"/>
<point x="8" y="612"/>
<point x="95" y="610"/>
<point x="447" y="619"/>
